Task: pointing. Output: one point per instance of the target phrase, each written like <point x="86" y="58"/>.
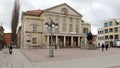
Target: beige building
<point x="71" y="31"/>
<point x="111" y="31"/>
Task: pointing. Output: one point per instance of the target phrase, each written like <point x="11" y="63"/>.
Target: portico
<point x="65" y="41"/>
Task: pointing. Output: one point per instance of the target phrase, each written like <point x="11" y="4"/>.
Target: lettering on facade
<point x="33" y="17"/>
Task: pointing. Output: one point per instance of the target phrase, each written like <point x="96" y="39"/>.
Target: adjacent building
<point x="71" y="31"/>
<point x="7" y="39"/>
<point x="1" y="37"/>
<point x="110" y="31"/>
<point x="100" y="37"/>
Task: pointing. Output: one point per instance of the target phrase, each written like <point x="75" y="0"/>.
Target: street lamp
<point x="50" y="26"/>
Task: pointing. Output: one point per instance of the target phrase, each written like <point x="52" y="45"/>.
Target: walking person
<point x="106" y="47"/>
<point x="55" y="46"/>
<point x="10" y="49"/>
<point x="102" y="47"/>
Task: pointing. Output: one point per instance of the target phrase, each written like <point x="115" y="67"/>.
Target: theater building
<point x="71" y="31"/>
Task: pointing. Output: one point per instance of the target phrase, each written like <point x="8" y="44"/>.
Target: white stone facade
<point x="69" y="33"/>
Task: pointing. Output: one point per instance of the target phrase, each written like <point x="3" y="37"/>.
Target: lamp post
<point x="50" y="26"/>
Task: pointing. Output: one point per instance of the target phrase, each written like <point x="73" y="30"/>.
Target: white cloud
<point x="93" y="11"/>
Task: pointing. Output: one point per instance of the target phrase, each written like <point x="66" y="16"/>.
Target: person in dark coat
<point x="10" y="49"/>
<point x="106" y="47"/>
<point x="102" y="47"/>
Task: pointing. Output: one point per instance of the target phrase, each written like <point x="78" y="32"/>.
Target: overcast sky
<point x="93" y="11"/>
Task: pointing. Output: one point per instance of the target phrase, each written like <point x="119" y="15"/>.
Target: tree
<point x="15" y="19"/>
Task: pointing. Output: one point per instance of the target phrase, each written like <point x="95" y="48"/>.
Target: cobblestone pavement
<point x="64" y="58"/>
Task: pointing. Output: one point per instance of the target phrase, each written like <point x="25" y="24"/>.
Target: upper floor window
<point x="71" y="27"/>
<point x="110" y="23"/>
<point x="106" y="37"/>
<point x="34" y="27"/>
<point x="77" y="28"/>
<point x="116" y="29"/>
<point x="71" y="20"/>
<point x="111" y="30"/>
<point x="111" y="36"/>
<point x="64" y="27"/>
<point x="102" y="31"/>
<point x="105" y="24"/>
<point x="77" y="20"/>
<point x="106" y="30"/>
<point x="98" y="32"/>
<point x="116" y="37"/>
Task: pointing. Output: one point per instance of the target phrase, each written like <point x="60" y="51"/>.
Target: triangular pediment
<point x="63" y="9"/>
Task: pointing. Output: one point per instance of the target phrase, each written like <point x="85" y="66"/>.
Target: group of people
<point x="104" y="46"/>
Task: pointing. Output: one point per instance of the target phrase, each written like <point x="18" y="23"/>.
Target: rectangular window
<point x="34" y="27"/>
<point x="34" y="40"/>
<point x="71" y="20"/>
<point x="106" y="38"/>
<point x="111" y="36"/>
<point x="77" y="20"/>
<point x="102" y="31"/>
<point x="110" y="23"/>
<point x="64" y="27"/>
<point x="105" y="24"/>
<point x="111" y="30"/>
<point x="116" y="37"/>
<point x="116" y="29"/>
<point x="71" y="28"/>
<point x="77" y="28"/>
<point x="106" y="30"/>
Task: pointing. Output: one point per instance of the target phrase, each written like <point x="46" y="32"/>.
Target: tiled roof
<point x="33" y="12"/>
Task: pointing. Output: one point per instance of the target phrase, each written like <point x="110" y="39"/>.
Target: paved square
<point x="64" y="58"/>
<point x="42" y="55"/>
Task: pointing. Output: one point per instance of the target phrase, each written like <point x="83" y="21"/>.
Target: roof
<point x="61" y="5"/>
<point x="37" y="12"/>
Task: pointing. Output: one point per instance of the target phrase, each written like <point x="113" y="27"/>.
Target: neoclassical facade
<point x="71" y="31"/>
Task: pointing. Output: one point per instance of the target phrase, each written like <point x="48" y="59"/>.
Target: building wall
<point x="69" y="26"/>
<point x="111" y="31"/>
<point x="7" y="38"/>
<point x="1" y="37"/>
<point x="100" y="37"/>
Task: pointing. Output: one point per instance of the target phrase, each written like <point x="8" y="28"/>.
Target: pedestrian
<point x="10" y="49"/>
<point x="106" y="47"/>
<point x="55" y="46"/>
<point x="102" y="47"/>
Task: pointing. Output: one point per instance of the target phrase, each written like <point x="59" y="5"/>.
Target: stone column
<point x="64" y="40"/>
<point x="78" y="41"/>
<point x="56" y="40"/>
<point x="47" y="41"/>
<point x="71" y="40"/>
